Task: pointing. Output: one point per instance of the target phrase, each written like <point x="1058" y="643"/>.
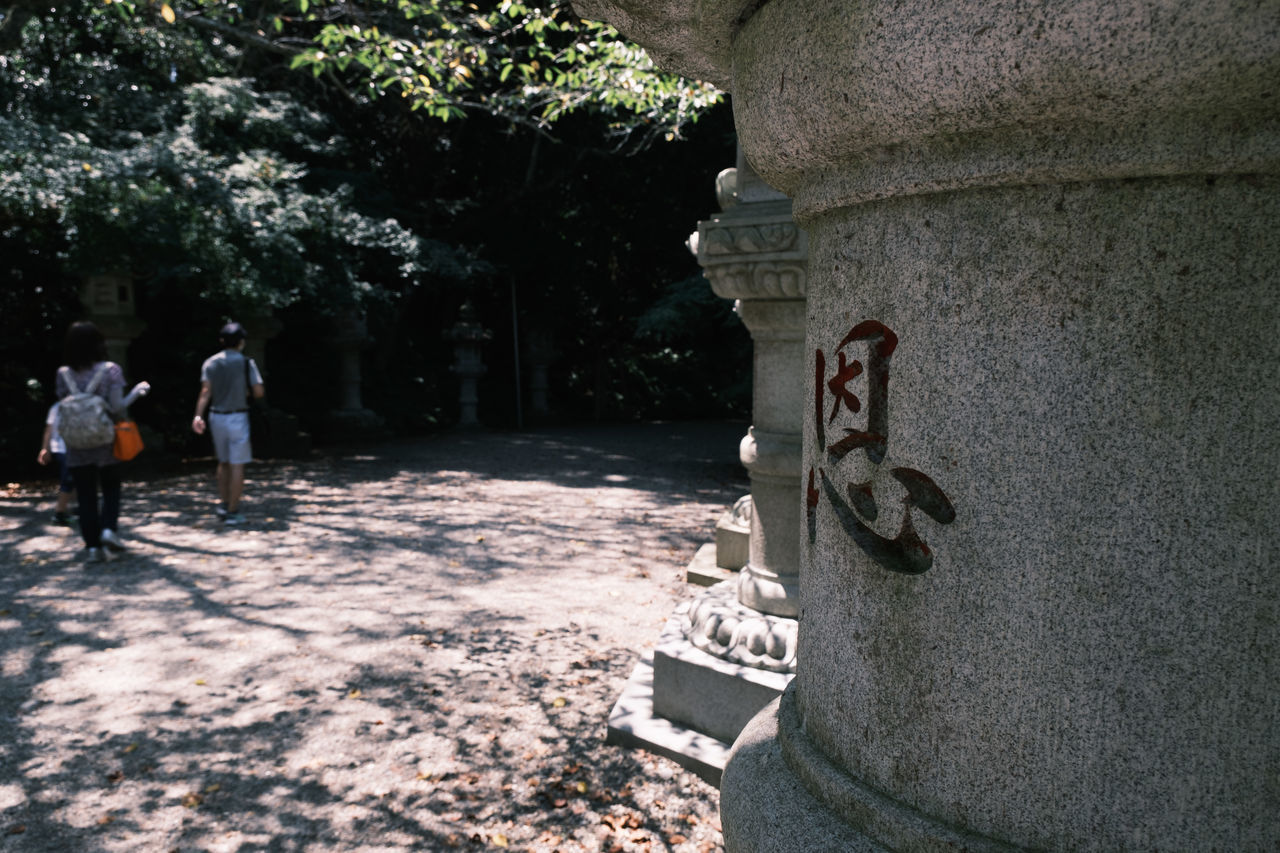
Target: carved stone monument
<point x="1040" y="444"/>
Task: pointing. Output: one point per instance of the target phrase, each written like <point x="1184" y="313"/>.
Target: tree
<point x="238" y="157"/>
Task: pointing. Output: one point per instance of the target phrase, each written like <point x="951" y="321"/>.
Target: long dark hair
<point x="85" y="346"/>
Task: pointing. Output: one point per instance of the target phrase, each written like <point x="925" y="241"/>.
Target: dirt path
<point x="409" y="647"/>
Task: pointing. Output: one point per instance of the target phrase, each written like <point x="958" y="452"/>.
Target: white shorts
<point x="231" y="437"/>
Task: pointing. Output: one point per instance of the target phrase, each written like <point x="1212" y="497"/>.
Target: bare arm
<point x="139" y="390"/>
<point x="202" y="403"/>
<point x="45" y="453"/>
<point x="259" y="391"/>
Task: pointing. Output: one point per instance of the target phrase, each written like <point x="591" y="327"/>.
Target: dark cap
<point x="232" y="333"/>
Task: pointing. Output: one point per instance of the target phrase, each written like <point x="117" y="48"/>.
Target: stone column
<point x="108" y="298"/>
<point x="753" y="252"/>
<point x="1041" y="453"/>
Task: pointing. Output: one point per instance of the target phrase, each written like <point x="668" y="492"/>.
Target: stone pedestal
<point x="1040" y="450"/>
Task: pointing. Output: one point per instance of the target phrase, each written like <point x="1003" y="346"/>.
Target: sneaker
<point x="233" y="518"/>
<point x="97" y="555"/>
<point x="220" y="511"/>
<point x="111" y="540"/>
<point x="62" y="519"/>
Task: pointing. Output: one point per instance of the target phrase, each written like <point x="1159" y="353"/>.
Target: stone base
<point x="779" y="792"/>
<point x="765" y="807"/>
<point x="703" y="570"/>
<point x="633" y="724"/>
<point x="689" y="705"/>
<point x="733" y="535"/>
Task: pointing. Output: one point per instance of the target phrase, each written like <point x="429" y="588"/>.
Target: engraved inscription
<point x="862" y="360"/>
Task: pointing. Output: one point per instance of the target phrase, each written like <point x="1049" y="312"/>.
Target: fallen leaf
<point x="17" y="829"/>
<point x="115" y="777"/>
<point x="559" y="702"/>
<point x="192" y="800"/>
<point x="582" y="787"/>
<point x="200" y="682"/>
<point x="499" y="840"/>
<point x="209" y="789"/>
<point x="130" y="748"/>
<point x="353" y="694"/>
<point x="105" y="819"/>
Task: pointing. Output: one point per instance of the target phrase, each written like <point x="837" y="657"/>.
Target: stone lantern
<point x="469" y="338"/>
<point x="108" y="299"/>
<point x="1040" y="456"/>
<point x="350" y="338"/>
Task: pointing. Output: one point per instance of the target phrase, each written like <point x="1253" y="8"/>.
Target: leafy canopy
<point x="529" y="63"/>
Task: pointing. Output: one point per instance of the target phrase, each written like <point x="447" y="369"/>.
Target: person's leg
<point x="224" y="482"/>
<point x="239" y="454"/>
<point x="235" y="486"/>
<point x="66" y="488"/>
<point x="86" y="480"/>
<point x="221" y="448"/>
<point x="110" y="477"/>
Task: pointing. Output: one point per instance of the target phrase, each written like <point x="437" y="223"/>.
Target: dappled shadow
<point x="400" y="649"/>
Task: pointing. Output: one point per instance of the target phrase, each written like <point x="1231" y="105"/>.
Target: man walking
<point x="226" y="380"/>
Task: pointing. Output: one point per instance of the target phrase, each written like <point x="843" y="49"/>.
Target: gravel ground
<point x="412" y="646"/>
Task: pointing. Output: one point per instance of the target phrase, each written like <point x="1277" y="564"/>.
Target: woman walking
<point x="88" y="371"/>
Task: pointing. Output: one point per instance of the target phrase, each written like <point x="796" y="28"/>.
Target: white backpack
<point x="83" y="418"/>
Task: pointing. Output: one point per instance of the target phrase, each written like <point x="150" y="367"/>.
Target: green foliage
<point x="182" y="149"/>
<point x="527" y="63"/>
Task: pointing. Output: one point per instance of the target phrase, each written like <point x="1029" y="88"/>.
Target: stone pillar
<point x="1040" y="438"/>
<point x="468" y="338"/>
<point x="108" y="298"/>
<point x="753" y="252"/>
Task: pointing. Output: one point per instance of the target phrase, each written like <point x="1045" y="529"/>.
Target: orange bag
<point x="128" y="442"/>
